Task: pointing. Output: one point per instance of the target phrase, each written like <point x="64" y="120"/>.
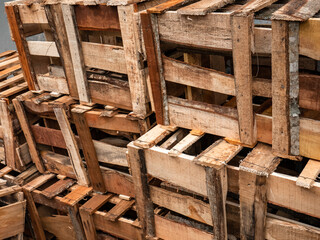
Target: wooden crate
<point x="89" y="50"/>
<point x="61" y="133"/>
<point x="203" y="169"/>
<point x="61" y="196"/>
<point x="11" y="84"/>
<point x="13" y="177"/>
<point x="110" y="214"/>
<point x="219" y="50"/>
<point x="12" y="211"/>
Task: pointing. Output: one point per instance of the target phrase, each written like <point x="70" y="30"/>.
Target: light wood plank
<point x="309" y="174"/>
<point x="203" y="7"/>
<point x="184" y="144"/>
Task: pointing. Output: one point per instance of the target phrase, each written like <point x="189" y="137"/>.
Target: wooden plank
<point x="53" y="84"/>
<point x="309" y="174"/>
<point x="56" y="21"/>
<point x="57" y="188"/>
<point x="94" y="17"/>
<point x="136" y="72"/>
<point x="308" y="38"/>
<point x="152" y="46"/>
<point x="78" y="193"/>
<point x="103" y="56"/>
<point x="253" y="172"/>
<point x="21" y="43"/>
<point x="33" y="13"/>
<point x="253" y="6"/>
<point x="168" y="229"/>
<point x="11" y="81"/>
<point x="144" y="204"/>
<point x="14" y="90"/>
<point x="76" y="52"/>
<point x="5" y="171"/>
<point x="119" y="210"/>
<point x="285" y="89"/>
<point x="37" y="182"/>
<point x="203" y="7"/>
<point x="7" y="53"/>
<point x="297" y="10"/>
<point x="43" y="48"/>
<point x="166" y="6"/>
<point x="152" y="137"/>
<point x="9" y="190"/>
<point x="184" y="144"/>
<point x="72" y="146"/>
<point x="88" y="149"/>
<point x="21" y="114"/>
<point x="8" y="71"/>
<point x="9" y="63"/>
<point x="12" y="219"/>
<point x="9" y="138"/>
<point x="241" y="41"/>
<point x="196" y="76"/>
<point x="223" y="120"/>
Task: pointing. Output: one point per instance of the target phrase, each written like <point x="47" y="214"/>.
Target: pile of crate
<point x="163" y="119"/>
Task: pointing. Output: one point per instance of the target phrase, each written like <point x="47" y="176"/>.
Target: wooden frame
<point x="193" y="174"/>
<point x="11" y="84"/>
<point x="161" y="24"/>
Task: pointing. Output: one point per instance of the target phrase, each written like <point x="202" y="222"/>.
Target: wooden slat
<point x="136" y="73"/>
<point x="152" y="46"/>
<point x="10" y="190"/>
<point x="166" y="6"/>
<point x="7" y="72"/>
<point x="254" y="170"/>
<point x="43" y="48"/>
<point x="55" y="20"/>
<point x="297" y="10"/>
<point x="76" y="195"/>
<point x="88" y="149"/>
<point x="241" y="39"/>
<point x="5" y="170"/>
<point x="57" y="188"/>
<point x="285" y="88"/>
<point x="7" y="53"/>
<point x="37" y="182"/>
<point x="14" y="90"/>
<point x="72" y="146"/>
<point x="309" y="37"/>
<point x="53" y="84"/>
<point x="184" y="144"/>
<point x="11" y="81"/>
<point x="24" y="123"/>
<point x="203" y="7"/>
<point x="119" y="210"/>
<point x="19" y="38"/>
<point x="253" y="6"/>
<point x="309" y="174"/>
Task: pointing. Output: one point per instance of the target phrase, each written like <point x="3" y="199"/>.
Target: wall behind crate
<point x="5" y="40"/>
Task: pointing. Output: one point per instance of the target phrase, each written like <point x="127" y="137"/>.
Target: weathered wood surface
<point x="297" y="10"/>
<point x="203" y="7"/>
<point x="309" y="174"/>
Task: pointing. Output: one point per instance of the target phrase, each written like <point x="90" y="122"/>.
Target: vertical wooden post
<point x="241" y="46"/>
<point x="55" y="21"/>
<point x="89" y="150"/>
<point x="72" y="146"/>
<point x="143" y="201"/>
<point x="134" y="61"/>
<point x="24" y="123"/>
<point x="22" y="46"/>
<point x="253" y="173"/>
<point x="158" y="86"/>
<point x="285" y="87"/>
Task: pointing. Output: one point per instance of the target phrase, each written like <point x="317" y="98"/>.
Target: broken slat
<point x="153" y="136"/>
<point x="166" y="6"/>
<point x="297" y="10"/>
<point x="119" y="209"/>
<point x="76" y="195"/>
<point x="253" y="173"/>
<point x="173" y="139"/>
<point x="309" y="174"/>
<point x="57" y="188"/>
<point x="253" y="6"/>
<point x="184" y="144"/>
<point x="203" y="7"/>
<point x="9" y="190"/>
<point x="37" y="182"/>
<point x="5" y="171"/>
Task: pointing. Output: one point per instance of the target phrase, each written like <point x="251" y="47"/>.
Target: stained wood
<point x="285" y="88"/>
<point x="76" y="52"/>
<point x="89" y="151"/>
<point x="136" y="72"/>
<point x="56" y="21"/>
<point x="19" y="38"/>
<point x="309" y="174"/>
<point x="203" y="7"/>
<point x="72" y="146"/>
<point x="97" y="18"/>
<point x="21" y="114"/>
<point x="308" y="37"/>
<point x="241" y="43"/>
<point x="119" y="210"/>
<point x="8" y="71"/>
<point x="14" y="90"/>
<point x="78" y="193"/>
<point x="166" y="6"/>
<point x="57" y="188"/>
<point x="296" y="10"/>
<point x="11" y="81"/>
<point x="223" y="120"/>
<point x="152" y="47"/>
<point x="253" y="6"/>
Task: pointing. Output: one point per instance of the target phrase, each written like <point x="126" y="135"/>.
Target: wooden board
<point x="203" y="7"/>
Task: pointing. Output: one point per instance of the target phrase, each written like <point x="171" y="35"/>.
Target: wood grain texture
<point x="203" y="7"/>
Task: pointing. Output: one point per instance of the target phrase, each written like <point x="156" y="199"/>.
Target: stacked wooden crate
<point x="234" y="87"/>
